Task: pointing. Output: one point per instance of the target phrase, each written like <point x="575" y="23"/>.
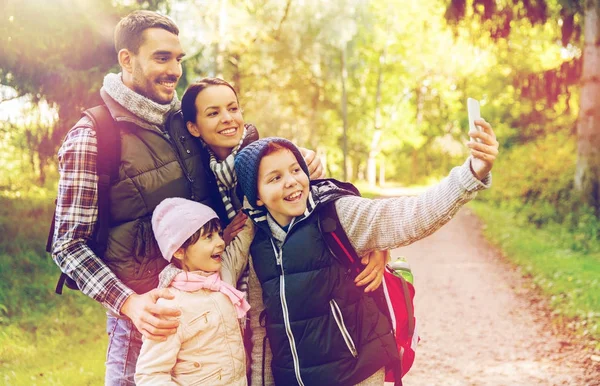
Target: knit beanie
<point x="175" y="219"/>
<point x="248" y="159"/>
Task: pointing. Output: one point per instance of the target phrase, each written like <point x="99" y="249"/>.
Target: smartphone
<point x="474" y="112"/>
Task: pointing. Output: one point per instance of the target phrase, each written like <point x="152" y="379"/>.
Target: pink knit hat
<point x="175" y="219"/>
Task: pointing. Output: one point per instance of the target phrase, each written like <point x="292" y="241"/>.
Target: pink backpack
<point x="398" y="293"/>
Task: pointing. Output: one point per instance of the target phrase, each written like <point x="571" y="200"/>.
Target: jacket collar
<point x="263" y="219"/>
<point x="321" y="192"/>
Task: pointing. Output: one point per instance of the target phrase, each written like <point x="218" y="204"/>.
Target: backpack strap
<point x="50" y="241"/>
<point x="336" y="238"/>
<point x="108" y="158"/>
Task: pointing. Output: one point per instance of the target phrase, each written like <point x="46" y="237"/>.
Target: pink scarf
<point x="191" y="282"/>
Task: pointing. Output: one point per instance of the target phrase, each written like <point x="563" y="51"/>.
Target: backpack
<point x="107" y="168"/>
<point x="394" y="297"/>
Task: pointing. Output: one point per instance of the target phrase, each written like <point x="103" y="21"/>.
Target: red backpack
<point x="396" y="294"/>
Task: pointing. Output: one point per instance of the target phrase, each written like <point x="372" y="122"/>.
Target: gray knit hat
<point x="248" y="160"/>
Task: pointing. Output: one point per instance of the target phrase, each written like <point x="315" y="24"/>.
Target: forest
<point x="377" y="88"/>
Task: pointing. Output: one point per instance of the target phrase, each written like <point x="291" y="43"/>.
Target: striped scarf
<point x="226" y="178"/>
<point x="226" y="181"/>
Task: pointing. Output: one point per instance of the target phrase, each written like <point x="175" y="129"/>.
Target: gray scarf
<point x="137" y="104"/>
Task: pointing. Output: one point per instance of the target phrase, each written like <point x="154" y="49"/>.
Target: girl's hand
<point x="373" y="272"/>
<point x="235" y="226"/>
<point x="485" y="152"/>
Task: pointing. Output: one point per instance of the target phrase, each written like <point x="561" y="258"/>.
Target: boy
<point x="321" y="329"/>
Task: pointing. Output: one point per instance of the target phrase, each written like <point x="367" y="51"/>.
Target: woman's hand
<point x="372" y="275"/>
<point x="235" y="226"/>
<point x="484" y="152"/>
<point x="315" y="167"/>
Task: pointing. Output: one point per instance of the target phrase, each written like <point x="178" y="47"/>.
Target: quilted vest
<point x="323" y="330"/>
<point x="154" y="165"/>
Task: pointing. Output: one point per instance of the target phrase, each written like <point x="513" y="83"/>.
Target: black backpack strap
<point x="108" y="158"/>
<point x="50" y="241"/>
<point x="336" y="238"/>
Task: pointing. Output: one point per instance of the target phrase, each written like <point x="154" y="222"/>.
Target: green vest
<point x="154" y="165"/>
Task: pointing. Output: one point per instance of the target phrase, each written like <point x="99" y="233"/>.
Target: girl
<point x="207" y="348"/>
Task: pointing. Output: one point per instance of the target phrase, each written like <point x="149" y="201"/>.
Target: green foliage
<point x="54" y="53"/>
<point x="537" y="178"/>
<point x="535" y="182"/>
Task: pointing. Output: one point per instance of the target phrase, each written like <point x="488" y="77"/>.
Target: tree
<point x="587" y="175"/>
<point x="572" y="16"/>
<point x="58" y="52"/>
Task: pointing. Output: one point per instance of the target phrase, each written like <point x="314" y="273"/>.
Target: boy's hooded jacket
<point x="321" y="328"/>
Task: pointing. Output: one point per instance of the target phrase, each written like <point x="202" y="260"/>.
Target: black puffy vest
<point x="154" y="166"/>
<point x="322" y="329"/>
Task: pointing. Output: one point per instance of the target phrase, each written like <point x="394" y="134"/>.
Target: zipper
<point x="186" y="173"/>
<point x="339" y="320"/>
<point x="199" y="317"/>
<point x="286" y="315"/>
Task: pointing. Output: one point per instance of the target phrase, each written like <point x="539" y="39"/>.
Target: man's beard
<point x="147" y="87"/>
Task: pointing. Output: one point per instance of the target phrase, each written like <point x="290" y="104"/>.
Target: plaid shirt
<point x="76" y="215"/>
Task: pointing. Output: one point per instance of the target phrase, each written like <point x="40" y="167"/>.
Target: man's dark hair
<point x="129" y="31"/>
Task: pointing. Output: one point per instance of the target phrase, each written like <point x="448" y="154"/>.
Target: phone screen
<point x="474" y="112"/>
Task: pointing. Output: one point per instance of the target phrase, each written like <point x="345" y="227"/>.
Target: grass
<point x="570" y="278"/>
<point x="45" y="339"/>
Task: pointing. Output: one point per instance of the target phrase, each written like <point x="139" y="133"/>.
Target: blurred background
<point x="378" y="88"/>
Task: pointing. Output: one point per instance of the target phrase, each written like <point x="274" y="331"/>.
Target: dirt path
<point x="477" y="322"/>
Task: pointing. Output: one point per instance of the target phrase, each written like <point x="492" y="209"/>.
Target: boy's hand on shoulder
<point x="484" y="152"/>
<point x="372" y="275"/>
<point x="148" y="317"/>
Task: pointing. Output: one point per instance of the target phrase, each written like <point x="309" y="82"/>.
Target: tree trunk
<point x="344" y="114"/>
<point x="587" y="173"/>
<point x="374" y="150"/>
<point x="236" y="74"/>
<point x="382" y="173"/>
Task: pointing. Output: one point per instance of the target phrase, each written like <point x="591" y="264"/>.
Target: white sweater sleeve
<point x="235" y="256"/>
<point x="394" y="222"/>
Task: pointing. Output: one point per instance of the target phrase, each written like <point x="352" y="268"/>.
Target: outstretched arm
<point x="76" y="216"/>
<point x="236" y="254"/>
<point x="394" y="222"/>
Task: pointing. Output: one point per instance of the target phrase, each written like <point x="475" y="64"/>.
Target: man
<point x="159" y="159"/>
<point x="153" y="166"/>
